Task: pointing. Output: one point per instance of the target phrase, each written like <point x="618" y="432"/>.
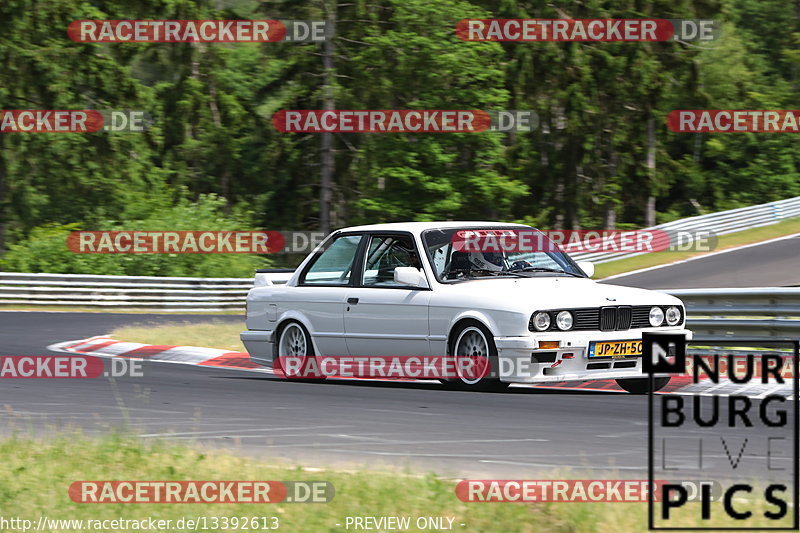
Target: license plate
<point x="615" y="348"/>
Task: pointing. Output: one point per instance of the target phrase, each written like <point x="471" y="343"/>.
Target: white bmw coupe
<point x="413" y="289"/>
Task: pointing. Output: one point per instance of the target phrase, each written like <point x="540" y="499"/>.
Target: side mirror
<point x="410" y="277"/>
<point x="587" y="267"/>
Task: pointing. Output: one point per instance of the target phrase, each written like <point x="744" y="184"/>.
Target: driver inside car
<point x="491" y="261"/>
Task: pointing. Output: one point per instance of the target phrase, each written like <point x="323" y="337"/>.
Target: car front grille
<point x="615" y="318"/>
<point x="624" y="317"/>
<point x="609" y="318"/>
<point x="586" y="319"/>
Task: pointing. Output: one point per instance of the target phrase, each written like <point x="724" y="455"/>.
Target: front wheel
<point x="642" y="385"/>
<point x="475" y="356"/>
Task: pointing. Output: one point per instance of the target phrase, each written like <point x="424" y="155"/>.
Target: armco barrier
<point x="719" y="223"/>
<point x="139" y="292"/>
<point x="754" y="313"/>
<point x="749" y="313"/>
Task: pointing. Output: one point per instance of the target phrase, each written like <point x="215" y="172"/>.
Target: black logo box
<point x="665" y="353"/>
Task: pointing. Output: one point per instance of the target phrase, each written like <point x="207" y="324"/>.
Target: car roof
<point x="419" y="227"/>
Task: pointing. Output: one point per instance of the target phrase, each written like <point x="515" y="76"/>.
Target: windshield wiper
<point x="468" y="271"/>
<point x="545" y="269"/>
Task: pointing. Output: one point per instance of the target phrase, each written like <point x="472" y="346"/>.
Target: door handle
<point x="352" y="301"/>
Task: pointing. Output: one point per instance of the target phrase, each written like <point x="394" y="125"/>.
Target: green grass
<point x="37" y="473"/>
<point x="731" y="240"/>
<point x="213" y="334"/>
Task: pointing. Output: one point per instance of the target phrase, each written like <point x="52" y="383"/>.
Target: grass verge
<point x="37" y="474"/>
<point x="212" y="334"/>
<point x="731" y="240"/>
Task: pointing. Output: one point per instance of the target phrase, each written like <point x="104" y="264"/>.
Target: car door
<point x="322" y="290"/>
<point x="381" y="316"/>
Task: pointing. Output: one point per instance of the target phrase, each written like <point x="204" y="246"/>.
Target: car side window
<point x="334" y="265"/>
<point x="384" y="254"/>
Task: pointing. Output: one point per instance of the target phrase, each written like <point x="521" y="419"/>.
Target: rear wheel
<point x="642" y="385"/>
<point x="295" y="358"/>
<point x="475" y="356"/>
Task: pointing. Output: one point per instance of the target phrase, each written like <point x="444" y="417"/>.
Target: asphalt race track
<point x="510" y="435"/>
<point x="773" y="264"/>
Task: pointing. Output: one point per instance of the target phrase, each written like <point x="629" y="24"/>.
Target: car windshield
<point x="468" y="253"/>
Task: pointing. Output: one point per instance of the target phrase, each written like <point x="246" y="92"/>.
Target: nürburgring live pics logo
<point x="737" y="423"/>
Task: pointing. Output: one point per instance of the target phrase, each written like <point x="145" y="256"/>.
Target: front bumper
<point x="524" y="360"/>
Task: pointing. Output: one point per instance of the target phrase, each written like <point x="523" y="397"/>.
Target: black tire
<point x="469" y="331"/>
<point x="295" y="341"/>
<point x="642" y="385"/>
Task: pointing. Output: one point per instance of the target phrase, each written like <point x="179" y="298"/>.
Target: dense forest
<point x="601" y="155"/>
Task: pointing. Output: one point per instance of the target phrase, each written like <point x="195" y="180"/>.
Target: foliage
<point x="586" y="165"/>
<point x="45" y="249"/>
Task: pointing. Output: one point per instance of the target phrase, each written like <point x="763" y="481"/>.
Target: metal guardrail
<point x="753" y="313"/>
<point x="137" y="292"/>
<point x="719" y="223"/>
<point x="758" y="313"/>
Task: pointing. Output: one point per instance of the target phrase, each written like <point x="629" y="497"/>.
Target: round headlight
<point x="656" y="316"/>
<point x="673" y="315"/>
<point x="564" y="320"/>
<point x="541" y="321"/>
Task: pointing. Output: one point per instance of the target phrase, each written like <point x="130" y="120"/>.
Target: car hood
<point x="551" y="292"/>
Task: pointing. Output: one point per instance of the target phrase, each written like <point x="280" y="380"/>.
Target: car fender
<point x="473" y="314"/>
<point x="297" y="316"/>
